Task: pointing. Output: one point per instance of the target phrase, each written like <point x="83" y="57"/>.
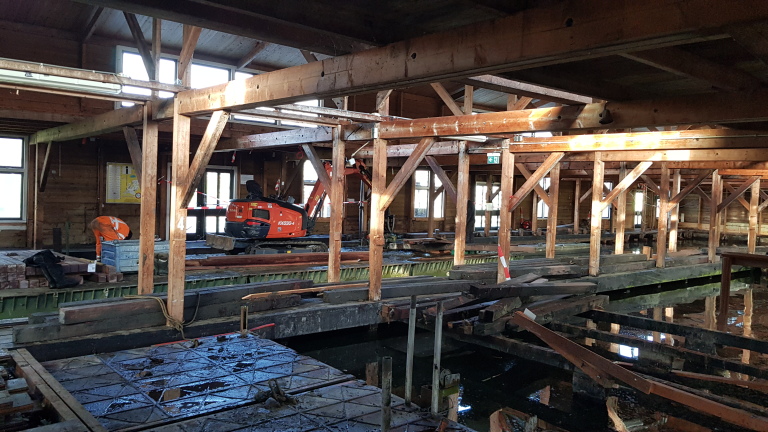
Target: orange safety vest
<point x="108" y="228"/>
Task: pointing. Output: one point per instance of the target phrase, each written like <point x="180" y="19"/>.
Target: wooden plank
<point x="661" y="238"/>
<point x="596" y="219"/>
<point x="447" y="99"/>
<point x="337" y="192"/>
<point x="499" y="309"/>
<point x="141" y="43"/>
<point x="759" y="385"/>
<point x="735" y="194"/>
<point x="147" y="217"/>
<point x="463" y="207"/>
<point x="447" y="183"/>
<point x="134" y="149"/>
<point x="528" y="289"/>
<point x="625" y="183"/>
<point x="505" y="211"/>
<point x="439" y="286"/>
<point x="554" y="194"/>
<point x="204" y="152"/>
<point x="65" y="405"/>
<point x="541" y="27"/>
<point x="531" y="182"/>
<point x="100" y="124"/>
<point x="408" y="168"/>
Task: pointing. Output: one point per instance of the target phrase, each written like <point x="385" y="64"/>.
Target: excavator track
<point x="313" y="245"/>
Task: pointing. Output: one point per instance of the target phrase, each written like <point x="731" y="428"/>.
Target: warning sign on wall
<point x="122" y="184"/>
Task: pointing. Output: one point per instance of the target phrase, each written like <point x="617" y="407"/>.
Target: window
<point x="131" y="65"/>
<point x="607" y="211"/>
<point x="542" y="209"/>
<point x="639" y="201"/>
<point x="310" y="180"/>
<point x="12" y="178"/>
<point x="422" y="180"/>
<point x="480" y="205"/>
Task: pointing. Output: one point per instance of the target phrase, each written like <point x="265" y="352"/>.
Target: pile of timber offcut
<point x="86" y="318"/>
<point x="487" y="309"/>
<point x="319" y="258"/>
<point x="15" y="274"/>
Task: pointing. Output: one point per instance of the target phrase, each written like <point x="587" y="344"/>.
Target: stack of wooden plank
<point x="15" y="274"/>
<point x="304" y="258"/>
<point x="86" y="318"/>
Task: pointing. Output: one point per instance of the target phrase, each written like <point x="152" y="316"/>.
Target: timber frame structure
<point x="667" y="94"/>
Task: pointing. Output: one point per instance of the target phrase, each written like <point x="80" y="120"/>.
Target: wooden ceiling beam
<point x="141" y="43"/>
<point x="272" y="140"/>
<point x="447" y="99"/>
<point x="447" y="55"/>
<point x="248" y="58"/>
<point x="91" y="25"/>
<point x="698" y="139"/>
<point x="240" y="22"/>
<point x="190" y="37"/>
<point x="681" y="62"/>
<point x="110" y="121"/>
<point x="504" y="85"/>
<point x="751" y="38"/>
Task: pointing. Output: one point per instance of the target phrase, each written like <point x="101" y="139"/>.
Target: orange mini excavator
<point x="259" y="224"/>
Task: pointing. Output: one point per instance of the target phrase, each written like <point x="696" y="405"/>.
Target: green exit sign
<point x="493" y="158"/>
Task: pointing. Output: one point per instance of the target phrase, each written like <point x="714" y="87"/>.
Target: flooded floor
<point x="491" y="380"/>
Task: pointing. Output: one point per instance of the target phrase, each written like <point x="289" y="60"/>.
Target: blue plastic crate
<point x="124" y="254"/>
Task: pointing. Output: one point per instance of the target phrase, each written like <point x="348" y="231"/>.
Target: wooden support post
<point x="36" y="188"/>
<point x="554" y="192"/>
<point x="505" y="213"/>
<point x="725" y="292"/>
<point x="714" y="216"/>
<point x="338" y="188"/>
<point x="147" y="220"/>
<point x="431" y="195"/>
<point x="376" y="240"/>
<point x="595" y="217"/>
<point x="674" y="212"/>
<point x="534" y="213"/>
<point x="661" y="237"/>
<point x="488" y="192"/>
<point x="178" y="217"/>
<point x="621" y="213"/>
<point x="576" y="202"/>
<point x="754" y="201"/>
<point x="462" y="206"/>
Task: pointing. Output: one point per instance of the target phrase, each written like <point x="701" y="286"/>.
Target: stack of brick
<point x="12" y="273"/>
<point x="15" y="274"/>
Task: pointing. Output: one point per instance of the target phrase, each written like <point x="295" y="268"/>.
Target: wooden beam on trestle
<point x="689" y="187"/>
<point x="338" y="188"/>
<point x="625" y="183"/>
<point x="661" y="237"/>
<point x="190" y="36"/>
<point x="621" y="211"/>
<point x="505" y="212"/>
<point x="449" y="188"/>
<point x="408" y="168"/>
<point x="596" y="218"/>
<point x="376" y="235"/>
<point x="435" y="57"/>
<point x="462" y="207"/>
<point x="147" y="219"/>
<point x="447" y="99"/>
<point x="178" y="217"/>
<point x="134" y="149"/>
<point x="204" y="152"/>
<point x="714" y="216"/>
<point x="674" y="211"/>
<point x="754" y="200"/>
<point x="737" y="193"/>
<point x="554" y="193"/>
<point x="531" y="182"/>
<point x="141" y="43"/>
<point x="317" y="164"/>
<point x="537" y="187"/>
<point x="46" y="169"/>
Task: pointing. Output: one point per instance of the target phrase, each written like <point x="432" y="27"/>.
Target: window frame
<point x="415" y="188"/>
<point x="24" y="171"/>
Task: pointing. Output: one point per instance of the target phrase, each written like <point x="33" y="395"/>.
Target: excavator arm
<point x="316" y="198"/>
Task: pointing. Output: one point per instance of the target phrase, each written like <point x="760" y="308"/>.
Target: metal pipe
<point x="386" y="393"/>
<point x="243" y="319"/>
<point x="409" y="352"/>
<point x="436" y="359"/>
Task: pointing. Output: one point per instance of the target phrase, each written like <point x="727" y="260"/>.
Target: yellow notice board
<point x="122" y="184"/>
